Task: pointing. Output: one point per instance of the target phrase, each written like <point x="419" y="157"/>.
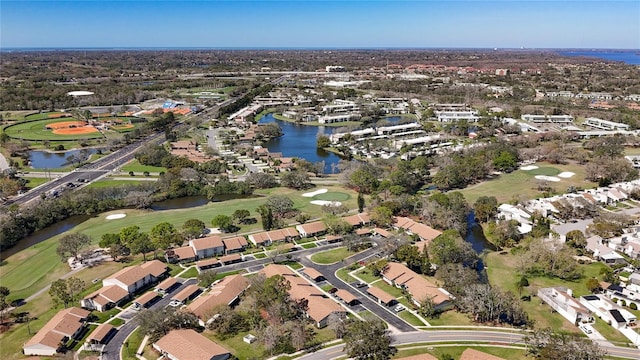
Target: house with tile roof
<point x="67" y="324"/>
<point x="100" y="337"/>
<point x="226" y="292"/>
<point x="411" y="227"/>
<point x="420" y="288"/>
<point x="311" y="229"/>
<point x="207" y="246"/>
<point x="319" y="307"/>
<point x="105" y="298"/>
<point x="267" y="238"/>
<point x="358" y="220"/>
<point x="134" y="278"/>
<point x="187" y="344"/>
<point x="234" y="244"/>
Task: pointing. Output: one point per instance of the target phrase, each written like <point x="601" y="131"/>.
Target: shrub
<point x="146" y="173"/>
<point x="59" y="147"/>
<point x="633" y="306"/>
<point x="131" y="173"/>
<point x="623" y="303"/>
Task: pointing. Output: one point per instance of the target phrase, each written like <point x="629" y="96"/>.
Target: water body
<point x="300" y="141"/>
<point x="44" y="234"/>
<point x="629" y="57"/>
<point x="475" y="235"/>
<point x="51" y="160"/>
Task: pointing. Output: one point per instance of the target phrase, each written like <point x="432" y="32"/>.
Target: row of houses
<point x="319" y="306"/>
<point x="207" y="247"/>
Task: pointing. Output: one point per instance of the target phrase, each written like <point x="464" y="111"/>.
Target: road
<point x="467" y="336"/>
<point x="329" y="273"/>
<point x="89" y="172"/>
<point x="112" y="349"/>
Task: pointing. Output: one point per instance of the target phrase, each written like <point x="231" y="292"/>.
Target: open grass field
<point x="37" y="130"/>
<point x="136" y="167"/>
<point x="331" y="256"/>
<point x="523" y="184"/>
<point x="35" y="181"/>
<point x="24" y="276"/>
<point x="332" y="196"/>
<point x="456" y="351"/>
<point x="501" y="271"/>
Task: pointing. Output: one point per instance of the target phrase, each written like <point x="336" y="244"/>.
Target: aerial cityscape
<point x="417" y="180"/>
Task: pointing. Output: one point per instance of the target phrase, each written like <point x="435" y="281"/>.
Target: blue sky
<point x="332" y="24"/>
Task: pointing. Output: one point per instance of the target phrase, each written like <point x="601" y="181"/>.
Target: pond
<point x="44" y="234"/>
<point x="51" y="160"/>
<point x="475" y="235"/>
<point x="300" y="141"/>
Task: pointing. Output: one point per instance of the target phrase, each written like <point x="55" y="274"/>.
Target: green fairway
<point x="524" y="185"/>
<point x="332" y="196"/>
<point x="331" y="256"/>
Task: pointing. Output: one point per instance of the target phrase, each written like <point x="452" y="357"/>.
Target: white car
<point x="586" y="329"/>
<point x="175" y="303"/>
<point x="399" y="308"/>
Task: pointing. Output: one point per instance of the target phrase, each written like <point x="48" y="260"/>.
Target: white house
<point x="561" y="300"/>
<point x="134" y="278"/>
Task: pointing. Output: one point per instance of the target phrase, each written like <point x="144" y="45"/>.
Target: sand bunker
<point x="528" y="167"/>
<point x="314" y="193"/>
<point x="326" y="202"/>
<point x="566" y="174"/>
<point x="547" y="178"/>
<point x="115" y="216"/>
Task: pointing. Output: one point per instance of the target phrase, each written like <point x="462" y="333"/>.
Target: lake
<point x="630" y="57"/>
<point x="52" y="160"/>
<point x="300" y="141"/>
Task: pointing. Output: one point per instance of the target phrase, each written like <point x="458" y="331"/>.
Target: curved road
<point x="479" y="336"/>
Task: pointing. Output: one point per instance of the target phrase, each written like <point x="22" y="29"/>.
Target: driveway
<point x="3" y="163"/>
<point x="112" y="349"/>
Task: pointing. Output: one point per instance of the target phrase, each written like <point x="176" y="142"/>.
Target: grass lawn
<point x="106" y="315"/>
<point x="34" y="181"/>
<point x="260" y="255"/>
<point x="456" y="351"/>
<point x="191" y="273"/>
<point x="238" y="347"/>
<point x="331" y="256"/>
<point x="131" y="345"/>
<point x="523" y="183"/>
<point x="451" y="317"/>
<point x="309" y="245"/>
<point x="136" y="167"/>
<point x="116" y="322"/>
<point x="410" y="318"/>
<point x="366" y="275"/>
<point x="391" y="290"/>
<point x="501" y="272"/>
<point x="112" y="183"/>
<point x="343" y="274"/>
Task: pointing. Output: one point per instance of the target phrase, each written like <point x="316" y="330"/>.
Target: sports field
<point x="52" y="129"/>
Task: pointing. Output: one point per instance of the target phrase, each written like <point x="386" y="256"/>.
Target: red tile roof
<point x="186" y="344"/>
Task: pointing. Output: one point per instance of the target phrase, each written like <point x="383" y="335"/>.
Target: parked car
<point x="586" y="329"/>
<point x="399" y="308"/>
<point x="361" y="284"/>
<point x="175" y="303"/>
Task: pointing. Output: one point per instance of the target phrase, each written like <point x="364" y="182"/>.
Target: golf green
<point x="332" y="196"/>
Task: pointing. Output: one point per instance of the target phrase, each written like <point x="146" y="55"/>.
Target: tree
<point x="223" y="222"/>
<point x="576" y="239"/>
<point x="241" y="215"/>
<point x="336" y="225"/>
<point x="163" y="235"/>
<point x="280" y="205"/>
<point x="593" y="285"/>
<point x="275" y="253"/>
<point x="360" y="202"/>
<point x="193" y="228"/>
<point x="323" y="142"/>
<point x="261" y="180"/>
<point x="71" y="244"/>
<point x="449" y="247"/>
<point x="505" y="161"/>
<point x="158" y="322"/>
<point x="416" y="261"/>
<point x="266" y="215"/>
<point x="365" y="180"/>
<point x="295" y="179"/>
<point x="545" y="344"/>
<point x="142" y="245"/>
<point x="522" y="283"/>
<point x="485" y="208"/>
<point x="206" y="278"/>
<point x="368" y="339"/>
<point x="66" y="291"/>
<point x="4" y="293"/>
<point x="377" y="267"/>
<point x="382" y="216"/>
<point x="428" y="309"/>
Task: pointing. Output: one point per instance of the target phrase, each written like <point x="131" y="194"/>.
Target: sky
<point x="321" y="24"/>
